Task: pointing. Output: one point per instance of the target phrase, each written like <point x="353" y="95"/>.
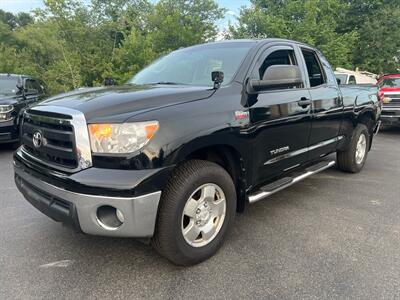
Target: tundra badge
<point x="279" y="150"/>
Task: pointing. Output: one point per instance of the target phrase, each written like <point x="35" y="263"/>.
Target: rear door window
<point x="314" y="69"/>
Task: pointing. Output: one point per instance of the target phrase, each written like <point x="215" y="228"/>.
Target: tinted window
<point x="352" y="80"/>
<point x="315" y="73"/>
<point x="29" y="84"/>
<point x="32" y="84"/>
<point x="389" y="82"/>
<point x="279" y="57"/>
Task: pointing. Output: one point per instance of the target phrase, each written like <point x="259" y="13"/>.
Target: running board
<point x="285" y="182"/>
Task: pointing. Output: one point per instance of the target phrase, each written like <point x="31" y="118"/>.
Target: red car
<point x="389" y="86"/>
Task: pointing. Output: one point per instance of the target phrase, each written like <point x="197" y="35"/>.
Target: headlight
<point x="6" y="108"/>
<point x="5" y="112"/>
<point x="121" y="138"/>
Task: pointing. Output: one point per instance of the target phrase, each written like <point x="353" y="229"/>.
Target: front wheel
<point x="196" y="211"/>
<point x="353" y="158"/>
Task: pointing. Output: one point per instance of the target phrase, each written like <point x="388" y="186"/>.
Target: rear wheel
<point x="353" y="158"/>
<point x="196" y="212"/>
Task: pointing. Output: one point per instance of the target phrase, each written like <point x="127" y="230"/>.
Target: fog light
<point x="109" y="217"/>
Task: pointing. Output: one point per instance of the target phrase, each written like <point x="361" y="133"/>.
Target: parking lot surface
<point x="332" y="236"/>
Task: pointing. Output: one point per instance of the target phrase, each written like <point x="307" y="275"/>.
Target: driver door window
<point x="33" y="86"/>
<point x="279" y="57"/>
<point x="30" y="86"/>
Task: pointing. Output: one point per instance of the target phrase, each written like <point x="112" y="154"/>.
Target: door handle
<point x="304" y="102"/>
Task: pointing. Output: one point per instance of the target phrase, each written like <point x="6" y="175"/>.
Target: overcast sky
<point x="233" y="7"/>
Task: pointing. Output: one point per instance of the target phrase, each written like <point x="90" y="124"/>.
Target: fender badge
<point x="279" y="150"/>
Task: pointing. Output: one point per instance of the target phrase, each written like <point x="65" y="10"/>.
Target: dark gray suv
<point x="17" y="92"/>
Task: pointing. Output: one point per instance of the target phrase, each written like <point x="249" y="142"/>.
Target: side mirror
<point x="275" y="77"/>
<point x="217" y="77"/>
<point x="20" y="84"/>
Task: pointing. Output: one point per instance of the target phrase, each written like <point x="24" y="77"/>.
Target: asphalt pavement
<point x="332" y="236"/>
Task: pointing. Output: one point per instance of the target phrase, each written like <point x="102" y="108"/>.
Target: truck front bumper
<point x="8" y="132"/>
<point x="91" y="214"/>
<point x="390" y="115"/>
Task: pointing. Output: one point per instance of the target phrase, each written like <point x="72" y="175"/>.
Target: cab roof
<point x="256" y="41"/>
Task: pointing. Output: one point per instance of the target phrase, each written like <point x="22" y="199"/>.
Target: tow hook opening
<point x="109" y="217"/>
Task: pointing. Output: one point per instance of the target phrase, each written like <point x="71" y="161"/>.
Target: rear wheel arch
<point x="368" y="119"/>
<point x="347" y="158"/>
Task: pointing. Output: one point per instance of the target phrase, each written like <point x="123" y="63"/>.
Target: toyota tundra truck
<point x="171" y="156"/>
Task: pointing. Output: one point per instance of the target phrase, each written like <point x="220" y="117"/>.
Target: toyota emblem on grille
<point x="37" y="139"/>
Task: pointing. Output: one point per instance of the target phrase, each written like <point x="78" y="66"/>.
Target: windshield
<point x="193" y="66"/>
<point x="342" y="78"/>
<point x="390" y="82"/>
<point x="8" y="85"/>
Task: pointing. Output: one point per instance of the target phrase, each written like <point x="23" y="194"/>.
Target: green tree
<point x="181" y="23"/>
<point x="311" y="21"/>
<point x="71" y="44"/>
<point x="378" y="25"/>
<point x="14" y="21"/>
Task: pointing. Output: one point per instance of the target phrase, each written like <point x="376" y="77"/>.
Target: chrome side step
<point x="285" y="182"/>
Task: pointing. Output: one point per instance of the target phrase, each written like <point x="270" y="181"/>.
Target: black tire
<point x="168" y="239"/>
<point x="346" y="159"/>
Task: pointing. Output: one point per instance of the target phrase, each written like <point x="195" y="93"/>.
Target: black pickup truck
<point x="17" y="92"/>
<point x="172" y="155"/>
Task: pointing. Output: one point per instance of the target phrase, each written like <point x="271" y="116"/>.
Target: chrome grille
<point x="395" y="99"/>
<point x="64" y="140"/>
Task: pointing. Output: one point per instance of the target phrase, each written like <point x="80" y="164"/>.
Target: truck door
<point x="280" y="120"/>
<point x="327" y="104"/>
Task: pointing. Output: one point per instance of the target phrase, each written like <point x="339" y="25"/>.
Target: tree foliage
<point x="378" y="26"/>
<point x="351" y="33"/>
<point x="74" y="43"/>
<point x="14" y="21"/>
<point x="70" y="44"/>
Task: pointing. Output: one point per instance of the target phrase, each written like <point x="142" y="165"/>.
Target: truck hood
<point x="390" y="90"/>
<point x="117" y="104"/>
<point x="8" y="99"/>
